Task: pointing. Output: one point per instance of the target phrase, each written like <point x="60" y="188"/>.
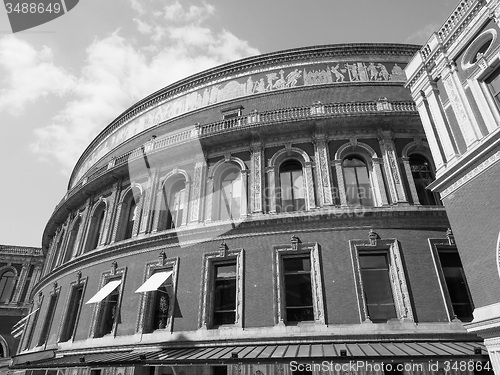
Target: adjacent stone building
<point x="20" y="270"/>
<point x="256" y="218"/>
<point x="455" y="82"/>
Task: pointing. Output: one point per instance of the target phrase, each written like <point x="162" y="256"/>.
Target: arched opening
<point x="176" y="205"/>
<point x="423" y="175"/>
<point x="96" y="227"/>
<point x="292" y="187"/>
<point x="7" y="282"/>
<point x="70" y="249"/>
<point x="131" y="219"/>
<point x="357" y="182"/>
<point x="229" y="194"/>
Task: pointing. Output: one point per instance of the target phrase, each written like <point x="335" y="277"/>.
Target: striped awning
<point x="376" y="351"/>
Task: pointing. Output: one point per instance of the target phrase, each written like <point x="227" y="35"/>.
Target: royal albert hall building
<point x="265" y="217"/>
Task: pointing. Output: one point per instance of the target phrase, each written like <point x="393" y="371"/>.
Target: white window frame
<point x="289" y="250"/>
<point x="400" y="293"/>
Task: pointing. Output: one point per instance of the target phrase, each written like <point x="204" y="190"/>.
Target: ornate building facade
<point x="455" y="81"/>
<point x="20" y="270"/>
<point x="256" y="218"/>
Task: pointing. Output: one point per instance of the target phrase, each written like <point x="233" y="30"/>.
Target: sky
<point x="62" y="82"/>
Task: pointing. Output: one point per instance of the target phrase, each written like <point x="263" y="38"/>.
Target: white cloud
<point x="119" y="71"/>
<point x="422" y="35"/>
<point x="28" y="75"/>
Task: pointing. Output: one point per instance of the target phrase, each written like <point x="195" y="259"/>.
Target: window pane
<point x="377" y="287"/>
<point x="225" y="294"/>
<point x="298" y="289"/>
<point x="456" y="284"/>
<point x="292" y="187"/>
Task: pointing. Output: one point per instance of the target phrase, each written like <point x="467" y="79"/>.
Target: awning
<point x="104" y="291"/>
<point x="154" y="282"/>
<point x="18" y="328"/>
<point x="339" y="352"/>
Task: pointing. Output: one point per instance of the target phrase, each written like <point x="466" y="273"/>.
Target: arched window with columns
<point x="359" y="176"/>
<point x="96" y="226"/>
<point x="129" y="213"/>
<point x="227" y="190"/>
<point x="229" y="194"/>
<point x="7" y="284"/>
<point x="357" y="181"/>
<point x="172" y="201"/>
<point x="73" y="234"/>
<point x="290" y="181"/>
<point x="292" y="187"/>
<point x="420" y="172"/>
<point x="423" y="175"/>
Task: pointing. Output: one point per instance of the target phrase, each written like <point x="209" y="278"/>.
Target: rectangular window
<point x="219" y="370"/>
<point x="48" y="320"/>
<point x="30" y="329"/>
<point x="377" y="287"/>
<point x="298" y="290"/>
<point x="224" y="294"/>
<point x="109" y="313"/>
<point x="75" y="304"/>
<point x="493" y="82"/>
<point x="456" y="284"/>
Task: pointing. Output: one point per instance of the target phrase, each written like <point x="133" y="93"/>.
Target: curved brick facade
<point x="285" y="177"/>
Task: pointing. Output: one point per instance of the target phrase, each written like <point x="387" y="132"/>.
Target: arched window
<point x="293" y="194"/>
<point x="230" y="194"/>
<point x="422" y="176"/>
<point x="96" y="227"/>
<point x="70" y="248"/>
<point x="176" y="205"/>
<point x="7" y="282"/>
<point x="131" y="218"/>
<point x="57" y="251"/>
<point x="357" y="182"/>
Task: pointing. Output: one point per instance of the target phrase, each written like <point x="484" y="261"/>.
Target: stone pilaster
<point x="198" y="191"/>
<point x="20" y="283"/>
<point x="257" y="177"/>
<point x="411" y="183"/>
<point x="209" y="198"/>
<point x="378" y="181"/>
<point x="341" y="182"/>
<point x="185" y="203"/>
<point x="271" y="180"/>
<point x="309" y="180"/>
<point x="244" y="194"/>
<point x="389" y="156"/>
<point x="323" y="170"/>
<point x="459" y="103"/>
<point x="149" y="201"/>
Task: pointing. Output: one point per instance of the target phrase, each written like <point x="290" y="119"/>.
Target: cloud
<point x="120" y="70"/>
<point x="29" y="74"/>
<point x="422" y="35"/>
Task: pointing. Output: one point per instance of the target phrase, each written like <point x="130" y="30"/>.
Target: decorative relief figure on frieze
<point x="292" y="77"/>
<point x="280" y="83"/>
<point x="270" y="78"/>
<point x="397" y="73"/>
<point x="317" y="77"/>
<point x="338" y="75"/>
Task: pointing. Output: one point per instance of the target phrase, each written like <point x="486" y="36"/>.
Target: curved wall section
<point x="272" y="205"/>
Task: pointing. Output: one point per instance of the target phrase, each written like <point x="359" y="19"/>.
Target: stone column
<point x="411" y="183"/>
<point x="187" y="198"/>
<point x="310" y="198"/>
<point x="271" y="180"/>
<point x="323" y="170"/>
<point x="198" y="192"/>
<point x="341" y="182"/>
<point x="389" y="156"/>
<point x="460" y="104"/>
<point x="149" y="201"/>
<point x="209" y="196"/>
<point x="21" y="280"/>
<point x="257" y="177"/>
<point x="110" y="215"/>
<point x="378" y="181"/>
<point x="244" y="193"/>
<point x="34" y="280"/>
